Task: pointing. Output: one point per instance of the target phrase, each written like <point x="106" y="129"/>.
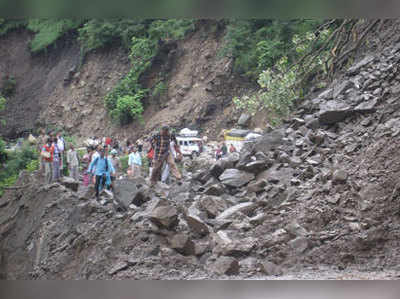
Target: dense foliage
<point x="285" y="82"/>
<point x="258" y="44"/>
<point x="98" y="33"/>
<point x="12" y="162"/>
<point x="47" y="31"/>
<point x="16" y="161"/>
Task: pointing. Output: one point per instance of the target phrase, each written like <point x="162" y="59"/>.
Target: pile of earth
<point x="322" y="191"/>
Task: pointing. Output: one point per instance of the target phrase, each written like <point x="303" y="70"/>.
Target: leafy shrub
<point x="3" y="153"/>
<point x="8" y="25"/>
<point x="174" y="29"/>
<point x="128" y="108"/>
<point x="25" y="158"/>
<point x="49" y="30"/>
<point x="258" y="44"/>
<point x="283" y="84"/>
<point x="2" y="103"/>
<point x="33" y="166"/>
<point x="7" y="182"/>
<point x="124" y="101"/>
<point x="124" y="163"/>
<point x="97" y="33"/>
<point x="159" y="89"/>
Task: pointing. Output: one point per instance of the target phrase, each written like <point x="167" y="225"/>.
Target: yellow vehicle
<point x="239" y="137"/>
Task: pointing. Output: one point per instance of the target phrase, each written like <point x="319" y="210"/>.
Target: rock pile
<point x="321" y="190"/>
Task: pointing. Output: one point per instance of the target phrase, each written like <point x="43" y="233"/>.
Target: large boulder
<point x="194" y="221"/>
<point x="183" y="244"/>
<point x="236" y="178"/>
<point x="244" y="120"/>
<point x="271" y="269"/>
<point x="213" y="205"/>
<point x="70" y="183"/>
<point x="277" y="174"/>
<point x="214" y="190"/>
<point x="300" y="244"/>
<point x="256" y="167"/>
<point x="142" y="196"/>
<point x="257" y="186"/>
<point x="165" y="217"/>
<point x="355" y="69"/>
<point x="269" y="142"/>
<point x="242" y="207"/>
<point x="367" y="106"/>
<point x="332" y="112"/>
<point x="221" y="165"/>
<point x="228" y="247"/>
<point x="124" y="192"/>
<point x="338" y="89"/>
<point x="339" y="176"/>
<point x="226" y="265"/>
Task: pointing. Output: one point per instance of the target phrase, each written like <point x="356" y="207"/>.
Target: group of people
<point x="101" y="164"/>
<point x="222" y="150"/>
<point x="53" y="158"/>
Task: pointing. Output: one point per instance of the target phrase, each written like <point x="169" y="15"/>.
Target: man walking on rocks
<point x="161" y="144"/>
<point x="102" y="168"/>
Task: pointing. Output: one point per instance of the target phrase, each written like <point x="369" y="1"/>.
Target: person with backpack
<point x="47" y="155"/>
<point x="73" y="163"/>
<point x="102" y="168"/>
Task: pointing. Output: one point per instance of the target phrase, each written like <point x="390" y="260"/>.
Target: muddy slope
<point x="53" y="91"/>
<point x="320" y="193"/>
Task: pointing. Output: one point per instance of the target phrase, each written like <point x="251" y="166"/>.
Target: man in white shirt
<point x="61" y="148"/>
<point x="73" y="163"/>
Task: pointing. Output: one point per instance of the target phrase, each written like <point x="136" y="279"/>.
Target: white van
<point x="189" y="146"/>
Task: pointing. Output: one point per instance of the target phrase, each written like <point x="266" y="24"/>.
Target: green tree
<point x="48" y="31"/>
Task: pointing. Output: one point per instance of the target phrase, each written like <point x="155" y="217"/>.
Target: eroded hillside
<point x="54" y="90"/>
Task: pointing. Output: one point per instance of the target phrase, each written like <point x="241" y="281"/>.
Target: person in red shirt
<point x="232" y="149"/>
<point x="108" y="141"/>
<point x="47" y="158"/>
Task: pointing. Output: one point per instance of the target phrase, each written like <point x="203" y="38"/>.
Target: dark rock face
<point x="235" y="178"/>
<point x="333" y="112"/>
<point x="226" y="266"/>
<point x="196" y="224"/>
<point x="125" y="191"/>
<point x="70" y="183"/>
<point x="165" y="217"/>
<point x="182" y="244"/>
<point x="244" y="120"/>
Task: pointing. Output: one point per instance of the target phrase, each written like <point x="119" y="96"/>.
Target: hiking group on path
<point x="101" y="164"/>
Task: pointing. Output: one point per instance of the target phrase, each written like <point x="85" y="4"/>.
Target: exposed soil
<point x="54" y="91"/>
